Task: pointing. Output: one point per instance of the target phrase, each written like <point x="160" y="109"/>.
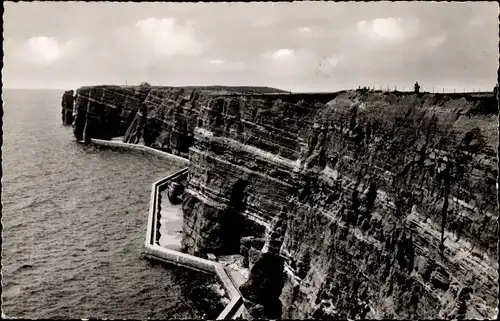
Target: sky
<point x="306" y="46"/>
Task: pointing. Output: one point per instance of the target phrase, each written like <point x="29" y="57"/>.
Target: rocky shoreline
<point x="345" y="205"/>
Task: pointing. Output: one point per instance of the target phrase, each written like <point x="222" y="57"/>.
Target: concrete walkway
<point x="171" y="224"/>
<point x="233" y="265"/>
<point x="122" y="139"/>
<point x="171" y="236"/>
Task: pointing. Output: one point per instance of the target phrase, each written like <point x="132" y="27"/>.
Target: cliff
<point x="391" y="207"/>
<point x="391" y="196"/>
<point x="104" y="112"/>
<point x="160" y="117"/>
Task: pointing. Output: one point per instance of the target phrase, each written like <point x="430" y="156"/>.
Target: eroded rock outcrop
<point x="262" y="290"/>
<point x="166" y="120"/>
<point x="67" y="107"/>
<point x="394" y="202"/>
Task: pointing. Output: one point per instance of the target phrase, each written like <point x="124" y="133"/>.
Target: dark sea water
<point x="74" y="221"/>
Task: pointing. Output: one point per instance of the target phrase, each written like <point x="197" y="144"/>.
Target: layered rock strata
<point x="104" y="112"/>
<point x="160" y="117"/>
<point x="166" y="120"/>
<point x="391" y="197"/>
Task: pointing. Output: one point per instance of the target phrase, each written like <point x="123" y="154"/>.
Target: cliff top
<point x="216" y="88"/>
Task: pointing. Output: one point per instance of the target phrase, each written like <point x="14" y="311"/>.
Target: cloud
<point x="121" y="43"/>
<point x="216" y="62"/>
<point x="476" y="21"/>
<point x="169" y="38"/>
<point x="436" y="41"/>
<point x="221" y="64"/>
<point x="280" y="54"/>
<point x="44" y="50"/>
<point x="288" y="63"/>
<point x="326" y="66"/>
<point x="388" y="29"/>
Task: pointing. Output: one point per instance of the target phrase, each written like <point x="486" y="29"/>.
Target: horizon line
<point x="372" y="88"/>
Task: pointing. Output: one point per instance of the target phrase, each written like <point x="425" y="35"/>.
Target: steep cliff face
<point x="166" y="120"/>
<point x="244" y="153"/>
<point x="168" y="116"/>
<point x="392" y="206"/>
<point x="106" y="111"/>
<point x="390" y="197"/>
<point x="67" y="107"/>
<point x="415" y="214"/>
<point x="160" y="117"/>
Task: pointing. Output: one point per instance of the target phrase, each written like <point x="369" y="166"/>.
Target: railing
<point x="155" y="251"/>
<point x="160" y="186"/>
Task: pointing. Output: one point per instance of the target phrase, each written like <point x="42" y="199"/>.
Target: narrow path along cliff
<point x="372" y="204"/>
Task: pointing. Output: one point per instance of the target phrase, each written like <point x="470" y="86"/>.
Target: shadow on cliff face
<point x="234" y="226"/>
<point x="104" y="112"/>
<point x="262" y="290"/>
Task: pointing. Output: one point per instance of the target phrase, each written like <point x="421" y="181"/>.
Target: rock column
<point x="67" y="107"/>
<point x="262" y="290"/>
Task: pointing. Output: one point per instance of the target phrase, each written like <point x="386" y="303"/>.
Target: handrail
<point x="154" y="250"/>
<point x="154" y="205"/>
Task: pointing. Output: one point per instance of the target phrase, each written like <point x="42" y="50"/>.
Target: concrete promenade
<point x="119" y="144"/>
<point x="166" y="248"/>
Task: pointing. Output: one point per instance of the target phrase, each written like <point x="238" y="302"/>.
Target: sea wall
<point x="391" y="206"/>
<point x="152" y="249"/>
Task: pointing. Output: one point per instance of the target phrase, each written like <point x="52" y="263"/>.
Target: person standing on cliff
<point x="417" y="88"/>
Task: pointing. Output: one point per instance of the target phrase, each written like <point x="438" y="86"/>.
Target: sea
<point x="73" y="225"/>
